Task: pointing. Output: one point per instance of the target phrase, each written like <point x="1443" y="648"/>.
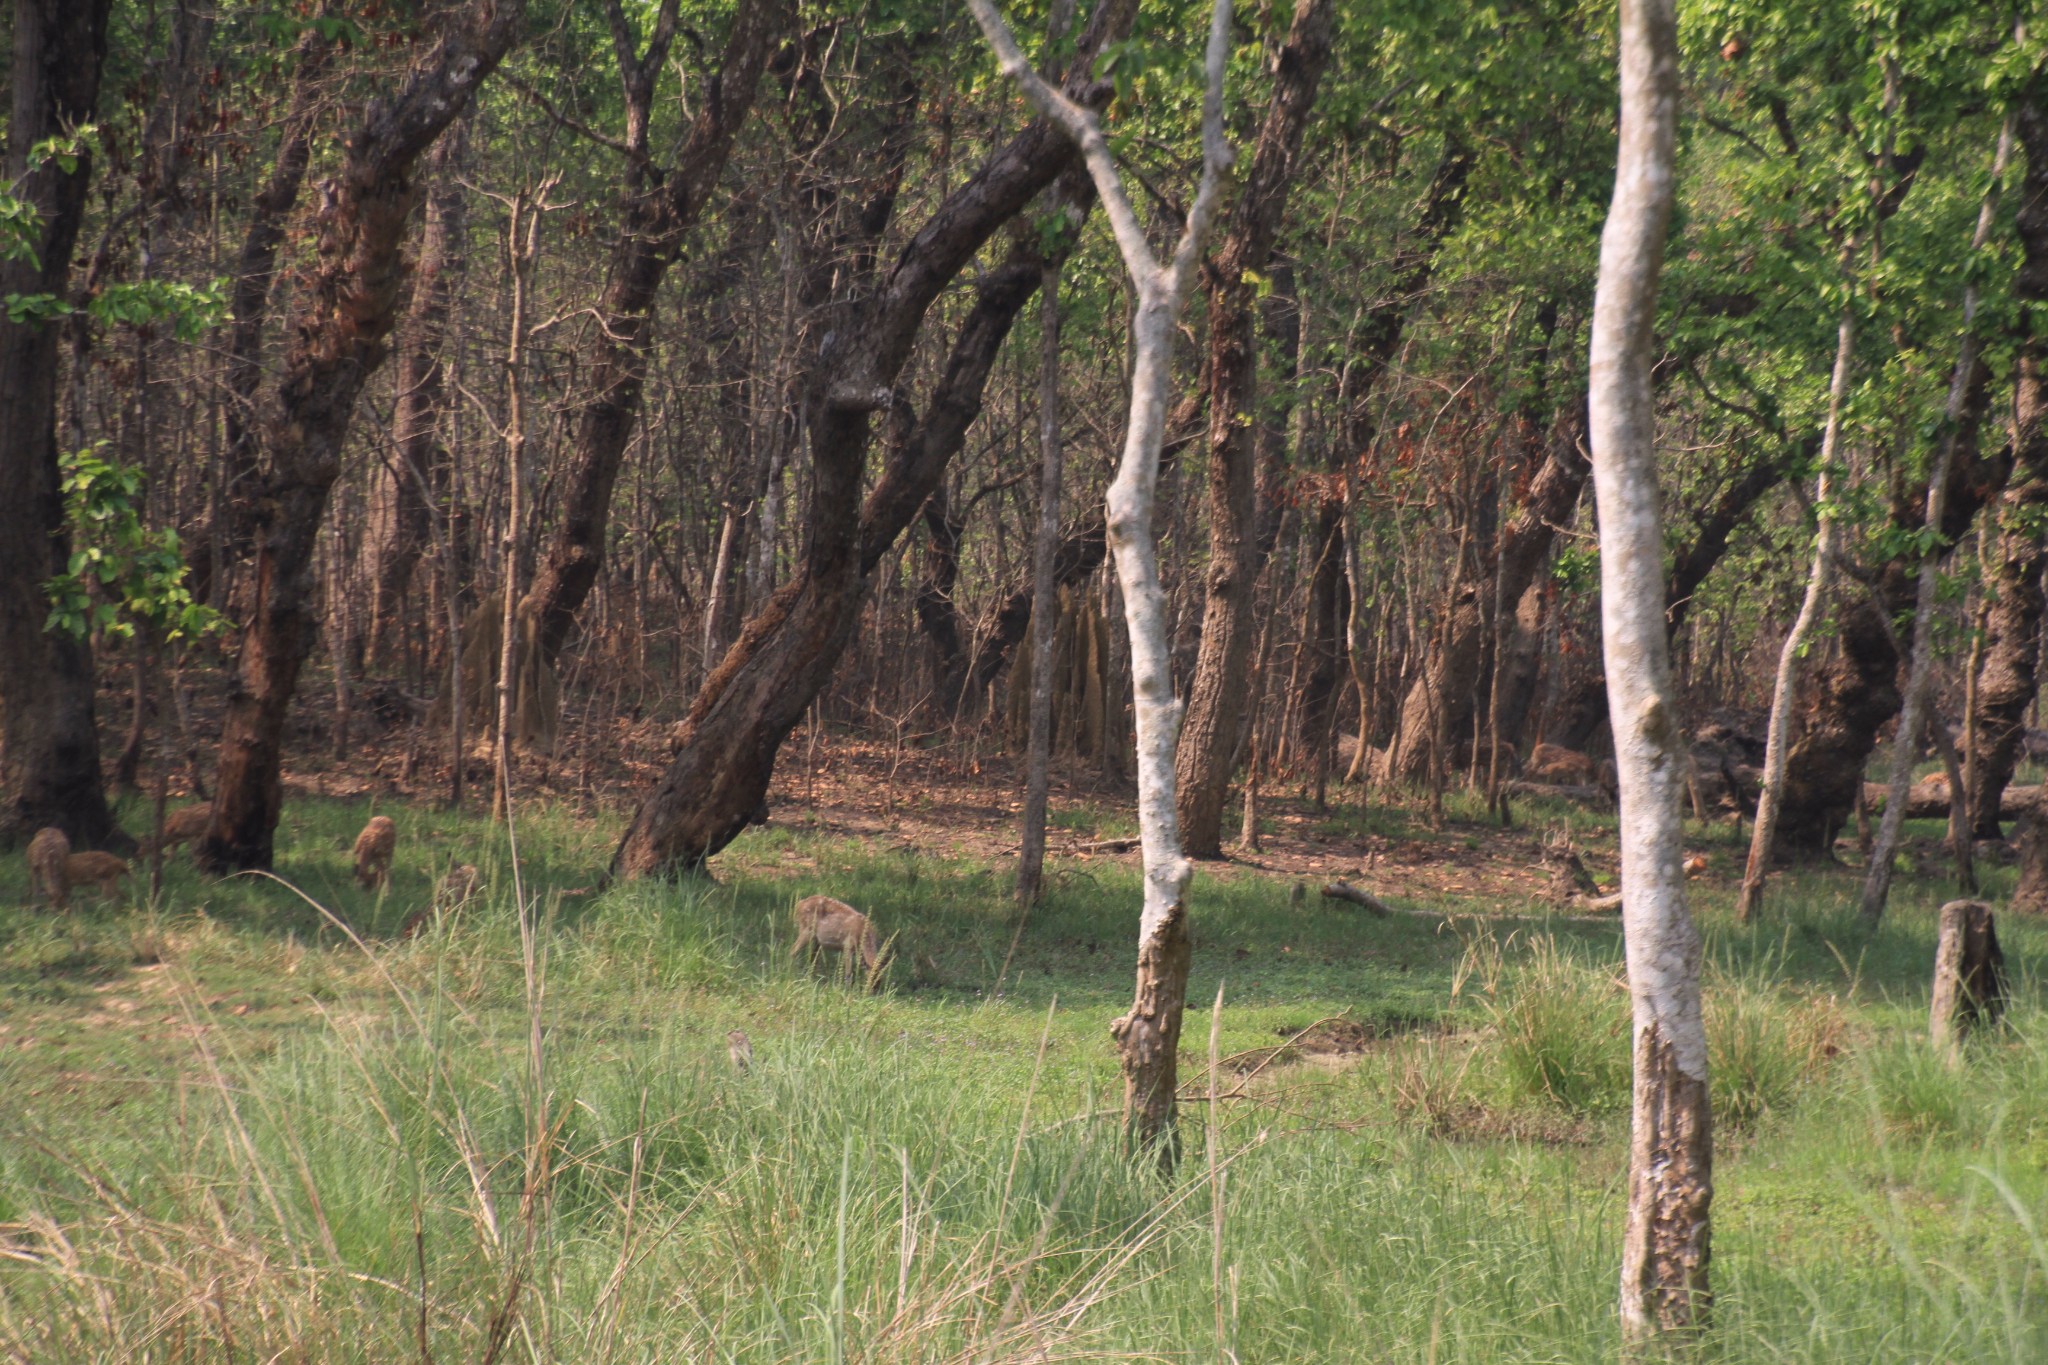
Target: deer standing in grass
<point x="828" y="923"/>
<point x="374" y="847"/>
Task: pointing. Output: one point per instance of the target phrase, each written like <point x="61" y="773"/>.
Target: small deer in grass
<point x="374" y="847"/>
<point x="47" y="853"/>
<point x="828" y="923"/>
<point x="185" y="824"/>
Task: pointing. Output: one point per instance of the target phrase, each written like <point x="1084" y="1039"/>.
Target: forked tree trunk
<point x="658" y="208"/>
<point x="1877" y="878"/>
<point x="1670" y="1184"/>
<point x="1148" y="1037"/>
<point x="351" y="301"/>
<point x="1778" y="738"/>
<point x="1215" y="707"/>
<point x="2018" y="553"/>
<point x="49" y="743"/>
<point x="787" y="652"/>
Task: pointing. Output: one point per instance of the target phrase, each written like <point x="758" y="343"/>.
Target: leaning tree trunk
<point x="787" y="652"/>
<point x="1215" y="705"/>
<point x="1877" y="878"/>
<point x="417" y="464"/>
<point x="1777" y="740"/>
<point x="659" y="208"/>
<point x="1670" y="1184"/>
<point x="1148" y="1037"/>
<point x="352" y="298"/>
<point x="49" y="743"/>
<point x="2011" y="675"/>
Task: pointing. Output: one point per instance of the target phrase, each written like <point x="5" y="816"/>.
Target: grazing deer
<point x="185" y="824"/>
<point x="836" y="925"/>
<point x="374" y="847"/>
<point x="1555" y="763"/>
<point x="97" y="870"/>
<point x="451" y="895"/>
<point x="46" y="873"/>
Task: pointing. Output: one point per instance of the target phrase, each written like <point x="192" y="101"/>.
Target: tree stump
<point x="2030" y="838"/>
<point x="1969" y="973"/>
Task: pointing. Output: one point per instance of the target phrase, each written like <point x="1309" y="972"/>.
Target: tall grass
<point x="517" y="1137"/>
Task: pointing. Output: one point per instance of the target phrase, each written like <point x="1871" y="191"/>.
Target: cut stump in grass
<point x="1969" y="974"/>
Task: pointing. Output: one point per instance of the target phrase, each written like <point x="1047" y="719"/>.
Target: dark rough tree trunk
<point x="1758" y="475"/>
<point x="49" y="744"/>
<point x="2011" y="676"/>
<point x="418" y="460"/>
<point x="350" y="303"/>
<point x="659" y="206"/>
<point x="938" y="615"/>
<point x="1321" y="649"/>
<point x="228" y="543"/>
<point x="1209" y="733"/>
<point x="1443" y="698"/>
<point x="787" y="652"/>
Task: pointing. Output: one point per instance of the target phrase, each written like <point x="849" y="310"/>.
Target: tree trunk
<point x="1444" y="692"/>
<point x="658" y="210"/>
<point x="1209" y="736"/>
<point x="1877" y="879"/>
<point x="270" y="213"/>
<point x="1148" y="1037"/>
<point x="2018" y="553"/>
<point x="400" y="511"/>
<point x="1670" y="1188"/>
<point x="1044" y="590"/>
<point x="786" y="653"/>
<point x="1777" y="740"/>
<point x="49" y="743"/>
<point x="351" y="301"/>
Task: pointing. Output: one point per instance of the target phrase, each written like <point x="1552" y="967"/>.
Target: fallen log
<point x="1364" y="900"/>
<point x="1928" y="799"/>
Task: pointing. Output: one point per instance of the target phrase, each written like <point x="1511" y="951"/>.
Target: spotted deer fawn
<point x="373" y="851"/>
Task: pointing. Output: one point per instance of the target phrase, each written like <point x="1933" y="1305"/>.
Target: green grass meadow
<point x="234" y="1131"/>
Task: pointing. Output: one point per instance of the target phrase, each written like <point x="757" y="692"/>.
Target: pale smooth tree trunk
<point x="1670" y="1185"/>
<point x="1148" y="1037"/>
<point x="1877" y="877"/>
<point x="1044" y="594"/>
<point x="1778" y="739"/>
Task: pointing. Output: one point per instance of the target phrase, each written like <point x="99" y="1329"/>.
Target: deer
<point x="834" y="924"/>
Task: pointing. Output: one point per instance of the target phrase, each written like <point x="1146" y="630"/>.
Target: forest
<point x="1021" y="680"/>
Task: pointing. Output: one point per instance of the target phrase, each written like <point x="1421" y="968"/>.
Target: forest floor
<point x="249" y="1120"/>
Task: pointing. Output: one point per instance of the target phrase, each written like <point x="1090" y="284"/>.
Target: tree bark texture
<point x="1877" y="877"/>
<point x="418" y="461"/>
<point x="1969" y="975"/>
<point x="2011" y="675"/>
<point x="1777" y="739"/>
<point x="1215" y="704"/>
<point x="1044" y="588"/>
<point x="786" y="653"/>
<point x="1670" y="1188"/>
<point x="1447" y="688"/>
<point x="659" y="207"/>
<point x="350" y="303"/>
<point x="49" y="742"/>
<point x="270" y="214"/>
<point x="1321" y="649"/>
